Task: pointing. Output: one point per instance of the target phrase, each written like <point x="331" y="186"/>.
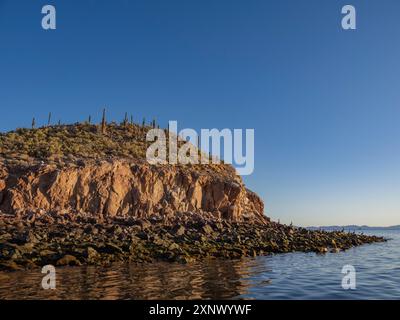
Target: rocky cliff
<point x="127" y="188"/>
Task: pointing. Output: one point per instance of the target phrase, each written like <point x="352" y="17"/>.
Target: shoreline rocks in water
<point x="81" y="239"/>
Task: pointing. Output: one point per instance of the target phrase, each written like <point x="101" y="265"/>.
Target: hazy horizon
<point x="324" y="102"/>
<point x="358" y="225"/>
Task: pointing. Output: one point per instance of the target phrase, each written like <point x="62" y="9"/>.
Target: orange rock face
<point x="123" y="188"/>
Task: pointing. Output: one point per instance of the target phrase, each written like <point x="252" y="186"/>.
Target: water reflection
<point x="213" y="279"/>
<point x="282" y="276"/>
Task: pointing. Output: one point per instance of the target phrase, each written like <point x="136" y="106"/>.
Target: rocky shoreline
<point x="76" y="239"/>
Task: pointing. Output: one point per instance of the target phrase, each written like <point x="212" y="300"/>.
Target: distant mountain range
<point x="354" y="227"/>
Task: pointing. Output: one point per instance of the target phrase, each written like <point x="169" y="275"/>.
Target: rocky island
<point x="84" y="194"/>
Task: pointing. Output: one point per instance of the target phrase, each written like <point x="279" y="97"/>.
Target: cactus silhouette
<point x="103" y="122"/>
<point x="49" y="119"/>
<point x="33" y="123"/>
<point x="126" y="119"/>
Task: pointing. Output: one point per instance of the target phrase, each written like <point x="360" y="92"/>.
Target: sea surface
<point x="283" y="276"/>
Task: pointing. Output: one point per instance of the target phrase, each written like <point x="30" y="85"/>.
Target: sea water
<point x="281" y="276"/>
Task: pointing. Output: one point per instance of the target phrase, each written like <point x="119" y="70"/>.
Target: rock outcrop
<point x="123" y="188"/>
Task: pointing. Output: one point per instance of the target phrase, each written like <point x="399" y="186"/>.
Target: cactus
<point x="144" y="122"/>
<point x="126" y="120"/>
<point x="90" y="119"/>
<point x="49" y="119"/>
<point x="103" y="122"/>
<point x="131" y="120"/>
<point x="33" y="123"/>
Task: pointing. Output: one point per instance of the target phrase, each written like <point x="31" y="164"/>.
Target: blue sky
<point x="324" y="102"/>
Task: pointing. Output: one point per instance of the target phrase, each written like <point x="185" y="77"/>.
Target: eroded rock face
<point x="122" y="188"/>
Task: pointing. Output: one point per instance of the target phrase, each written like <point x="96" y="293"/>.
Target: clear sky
<point x="324" y="102"/>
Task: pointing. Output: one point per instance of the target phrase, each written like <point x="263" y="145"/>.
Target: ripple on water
<point x="284" y="276"/>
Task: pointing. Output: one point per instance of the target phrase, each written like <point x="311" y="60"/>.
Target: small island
<point x="83" y="194"/>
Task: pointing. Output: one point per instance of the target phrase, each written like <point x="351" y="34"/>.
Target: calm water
<point x="285" y="276"/>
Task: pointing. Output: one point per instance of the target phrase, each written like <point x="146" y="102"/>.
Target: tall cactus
<point x="126" y="120"/>
<point x="103" y="123"/>
<point x="33" y="123"/>
<point x="49" y="119"/>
